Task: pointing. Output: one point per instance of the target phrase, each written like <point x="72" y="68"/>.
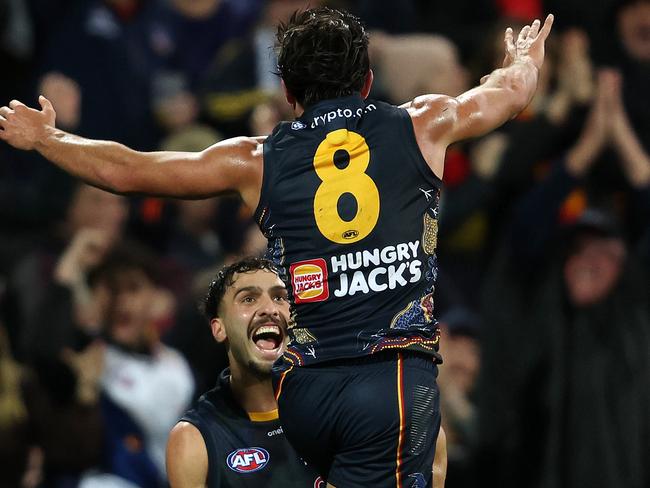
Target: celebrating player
<point x="233" y="436"/>
<point x="347" y="195"/>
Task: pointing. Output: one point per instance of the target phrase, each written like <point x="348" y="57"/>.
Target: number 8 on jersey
<point x="336" y="182"/>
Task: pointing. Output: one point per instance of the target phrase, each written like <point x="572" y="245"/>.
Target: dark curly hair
<point x="322" y="54"/>
<point x="225" y="278"/>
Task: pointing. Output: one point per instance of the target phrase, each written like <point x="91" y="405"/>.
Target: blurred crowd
<point x="544" y="240"/>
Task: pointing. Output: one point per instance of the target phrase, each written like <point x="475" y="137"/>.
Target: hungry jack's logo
<point x="309" y="280"/>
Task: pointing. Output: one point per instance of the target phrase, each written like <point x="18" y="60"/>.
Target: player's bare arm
<point x="440" y="460"/>
<point x="441" y="120"/>
<point x="187" y="457"/>
<point x="231" y="165"/>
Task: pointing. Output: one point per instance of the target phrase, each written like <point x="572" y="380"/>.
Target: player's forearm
<point x="505" y="93"/>
<point x="105" y="164"/>
<point x="516" y="85"/>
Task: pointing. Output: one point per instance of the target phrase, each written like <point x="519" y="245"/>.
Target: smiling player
<point x="233" y="437"/>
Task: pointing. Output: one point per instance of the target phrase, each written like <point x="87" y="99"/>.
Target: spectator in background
<point x="485" y="177"/>
<point x="566" y="360"/>
<point x="419" y="55"/>
<point x="50" y="427"/>
<point x="632" y="59"/>
<point x="49" y="284"/>
<point x="57" y="323"/>
<point x="188" y="37"/>
<point x="97" y="70"/>
<point x="15" y="429"/>
<point x="459" y="343"/>
<point x="243" y="75"/>
<point x="144" y="385"/>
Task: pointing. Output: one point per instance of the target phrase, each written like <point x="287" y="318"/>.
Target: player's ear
<point x="291" y="100"/>
<point x="218" y="329"/>
<point x="367" y="85"/>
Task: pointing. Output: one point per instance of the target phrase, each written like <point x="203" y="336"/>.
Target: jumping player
<point x="233" y="437"/>
<point x="347" y="195"/>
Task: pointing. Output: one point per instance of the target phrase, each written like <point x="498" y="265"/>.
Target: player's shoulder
<point x="187" y="456"/>
<point x="185" y="434"/>
<point x="244" y="145"/>
<point x="429" y="104"/>
<point x="434" y="117"/>
<point x="240" y="159"/>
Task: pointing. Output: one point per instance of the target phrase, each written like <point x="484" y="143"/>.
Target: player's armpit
<point x="433" y="118"/>
<point x="187" y="457"/>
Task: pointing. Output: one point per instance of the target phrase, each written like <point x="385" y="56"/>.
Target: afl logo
<point x="248" y="460"/>
<point x="350" y="234"/>
<point x="297" y="125"/>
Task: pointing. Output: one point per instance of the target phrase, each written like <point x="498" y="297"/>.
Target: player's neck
<point x="252" y="392"/>
<point x="298" y="110"/>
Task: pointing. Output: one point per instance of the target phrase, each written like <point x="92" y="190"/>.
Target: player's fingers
<point x="546" y="28"/>
<point x="46" y="105"/>
<point x="484" y="79"/>
<point x="534" y="28"/>
<point x="4" y="111"/>
<point x="15" y="103"/>
<point x="523" y="34"/>
<point x="509" y="40"/>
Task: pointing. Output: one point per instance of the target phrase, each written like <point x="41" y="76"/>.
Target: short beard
<point x="261" y="372"/>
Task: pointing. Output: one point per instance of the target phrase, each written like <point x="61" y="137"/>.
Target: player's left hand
<point x="530" y="43"/>
<point x="23" y="127"/>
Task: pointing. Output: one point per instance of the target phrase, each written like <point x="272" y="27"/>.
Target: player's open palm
<point x="23" y="127"/>
<point x="529" y="43"/>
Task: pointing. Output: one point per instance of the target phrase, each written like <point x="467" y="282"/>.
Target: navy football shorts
<point x="364" y="422"/>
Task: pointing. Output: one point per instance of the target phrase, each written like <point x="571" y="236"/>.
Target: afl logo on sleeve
<point x="248" y="460"/>
<point x="309" y="281"/>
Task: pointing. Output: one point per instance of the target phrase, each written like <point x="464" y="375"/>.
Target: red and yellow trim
<point x="293" y="357"/>
<point x="402" y="423"/>
<point x="284" y="374"/>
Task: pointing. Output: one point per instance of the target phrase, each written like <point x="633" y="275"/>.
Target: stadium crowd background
<point x="544" y="235"/>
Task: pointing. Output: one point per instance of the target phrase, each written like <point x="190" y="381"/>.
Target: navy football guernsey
<point x="350" y="209"/>
<point x="243" y="453"/>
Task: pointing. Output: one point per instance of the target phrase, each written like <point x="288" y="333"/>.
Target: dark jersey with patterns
<point x="243" y="453"/>
<point x="350" y="208"/>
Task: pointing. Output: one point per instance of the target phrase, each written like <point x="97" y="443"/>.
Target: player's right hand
<point x="529" y="44"/>
<point x="24" y="127"/>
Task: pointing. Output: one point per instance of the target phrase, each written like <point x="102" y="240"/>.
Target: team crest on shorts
<point x="309" y="281"/>
<point x="248" y="460"/>
<point x="319" y="483"/>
